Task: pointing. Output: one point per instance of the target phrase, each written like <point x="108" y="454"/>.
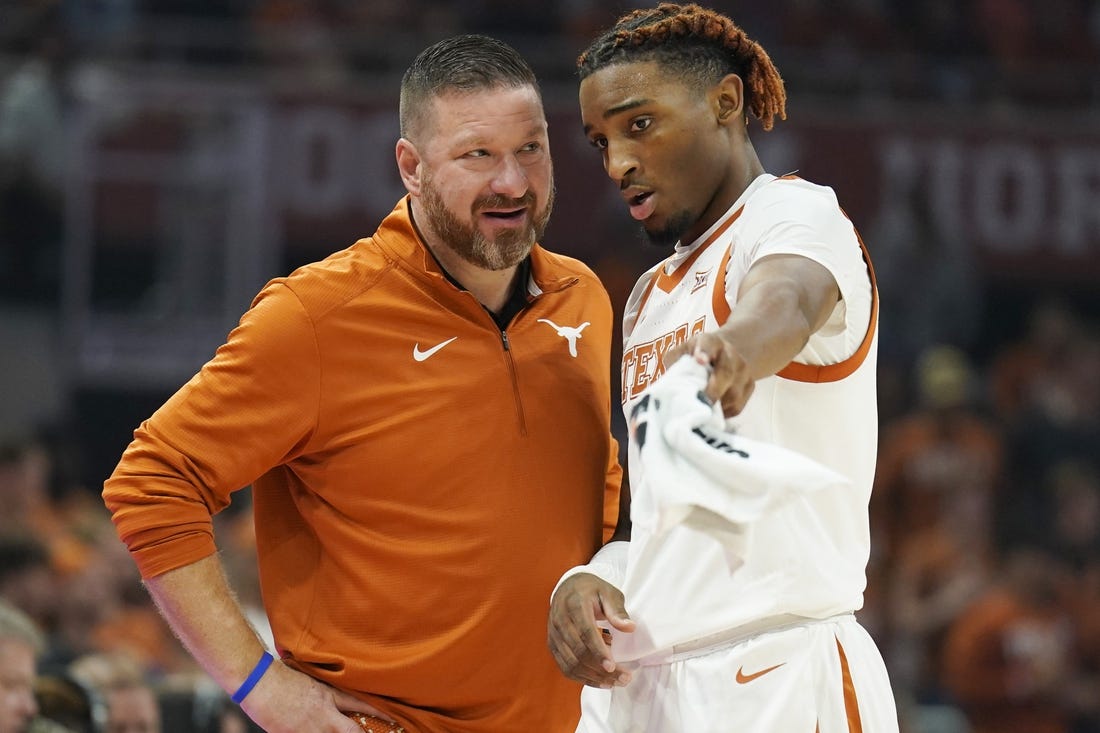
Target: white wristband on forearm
<point x="608" y="564"/>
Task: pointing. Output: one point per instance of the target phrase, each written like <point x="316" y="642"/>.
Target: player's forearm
<point x="198" y="604"/>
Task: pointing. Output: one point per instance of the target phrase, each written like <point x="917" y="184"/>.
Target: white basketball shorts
<point x="816" y="677"/>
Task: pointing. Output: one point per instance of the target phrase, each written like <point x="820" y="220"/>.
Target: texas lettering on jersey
<point x="643" y="363"/>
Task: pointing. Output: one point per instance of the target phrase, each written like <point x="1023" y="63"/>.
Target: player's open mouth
<point x="642" y="205"/>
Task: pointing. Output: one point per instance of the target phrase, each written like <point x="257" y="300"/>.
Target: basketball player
<point x="769" y="288"/>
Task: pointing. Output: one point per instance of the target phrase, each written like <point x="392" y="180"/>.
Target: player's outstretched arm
<point x="198" y="604"/>
<point x="783" y="300"/>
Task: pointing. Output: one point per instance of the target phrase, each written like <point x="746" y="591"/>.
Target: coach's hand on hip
<point x="287" y="701"/>
<point x="577" y="643"/>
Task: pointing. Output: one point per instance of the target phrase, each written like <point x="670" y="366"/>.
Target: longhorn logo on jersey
<point x="643" y="363"/>
<point x="569" y="333"/>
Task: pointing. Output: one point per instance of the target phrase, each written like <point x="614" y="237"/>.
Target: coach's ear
<point x="408" y="165"/>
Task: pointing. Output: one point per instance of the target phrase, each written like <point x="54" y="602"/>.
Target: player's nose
<point x="621" y="164"/>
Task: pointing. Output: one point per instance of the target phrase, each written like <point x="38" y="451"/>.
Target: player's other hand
<point x="577" y="643"/>
<point x="730" y="382"/>
<point x="287" y="701"/>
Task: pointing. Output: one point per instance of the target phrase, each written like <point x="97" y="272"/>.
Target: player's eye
<point x="640" y="124"/>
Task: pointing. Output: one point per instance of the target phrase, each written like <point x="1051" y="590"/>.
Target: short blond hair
<point x="18" y="626"/>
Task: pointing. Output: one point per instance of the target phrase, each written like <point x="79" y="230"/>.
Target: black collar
<point x="517" y="299"/>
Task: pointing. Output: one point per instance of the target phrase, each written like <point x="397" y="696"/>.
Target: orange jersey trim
<point x="668" y="282"/>
<point x="718" y="302"/>
<point x="851" y="703"/>
<point x="835" y="372"/>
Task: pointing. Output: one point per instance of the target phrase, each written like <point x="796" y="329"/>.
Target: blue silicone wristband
<point x="253" y="677"/>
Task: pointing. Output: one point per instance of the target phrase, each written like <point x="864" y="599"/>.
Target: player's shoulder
<point x="791" y="194"/>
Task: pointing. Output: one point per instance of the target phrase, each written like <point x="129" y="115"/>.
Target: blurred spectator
<point x="70" y="704"/>
<point x="938" y="572"/>
<point x="1021" y="367"/>
<point x="1049" y="382"/>
<point x="32" y="162"/>
<point x="131" y="701"/>
<point x="20" y="645"/>
<point x="944" y="455"/>
<point x="63" y="564"/>
<point x="25" y="470"/>
<point x="53" y="566"/>
<point x="938" y="475"/>
<point x="193" y="703"/>
<point x="1009" y="658"/>
<point x="27" y="580"/>
<point x="1074" y="488"/>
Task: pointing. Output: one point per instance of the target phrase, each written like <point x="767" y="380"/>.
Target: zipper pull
<point x="504" y="340"/>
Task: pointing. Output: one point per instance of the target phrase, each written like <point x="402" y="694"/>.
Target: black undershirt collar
<point x="517" y="299"/>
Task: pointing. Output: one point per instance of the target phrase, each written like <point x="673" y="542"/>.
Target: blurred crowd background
<point x="159" y="161"/>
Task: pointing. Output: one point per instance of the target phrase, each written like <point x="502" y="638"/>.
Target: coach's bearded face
<point x="514" y="225"/>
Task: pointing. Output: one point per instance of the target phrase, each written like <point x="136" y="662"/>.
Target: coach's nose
<point x="510" y="179"/>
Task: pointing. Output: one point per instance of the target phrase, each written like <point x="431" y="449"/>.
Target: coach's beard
<point x="507" y="249"/>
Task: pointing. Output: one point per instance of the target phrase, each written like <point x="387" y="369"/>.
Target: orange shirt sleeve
<point x="250" y="408"/>
<point x="612" y="492"/>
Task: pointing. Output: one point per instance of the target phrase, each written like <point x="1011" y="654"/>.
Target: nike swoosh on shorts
<point x="744" y="679"/>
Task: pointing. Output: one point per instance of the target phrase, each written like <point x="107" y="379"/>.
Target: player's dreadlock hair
<point x="701" y="44"/>
<point x="463" y="63"/>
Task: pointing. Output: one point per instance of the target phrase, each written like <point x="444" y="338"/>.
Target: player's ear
<point x="729" y="99"/>
<point x="408" y="165"/>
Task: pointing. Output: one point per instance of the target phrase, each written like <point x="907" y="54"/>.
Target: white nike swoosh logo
<point x="422" y="355"/>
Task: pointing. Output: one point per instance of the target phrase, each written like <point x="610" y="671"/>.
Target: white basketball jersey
<point x="805" y="558"/>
